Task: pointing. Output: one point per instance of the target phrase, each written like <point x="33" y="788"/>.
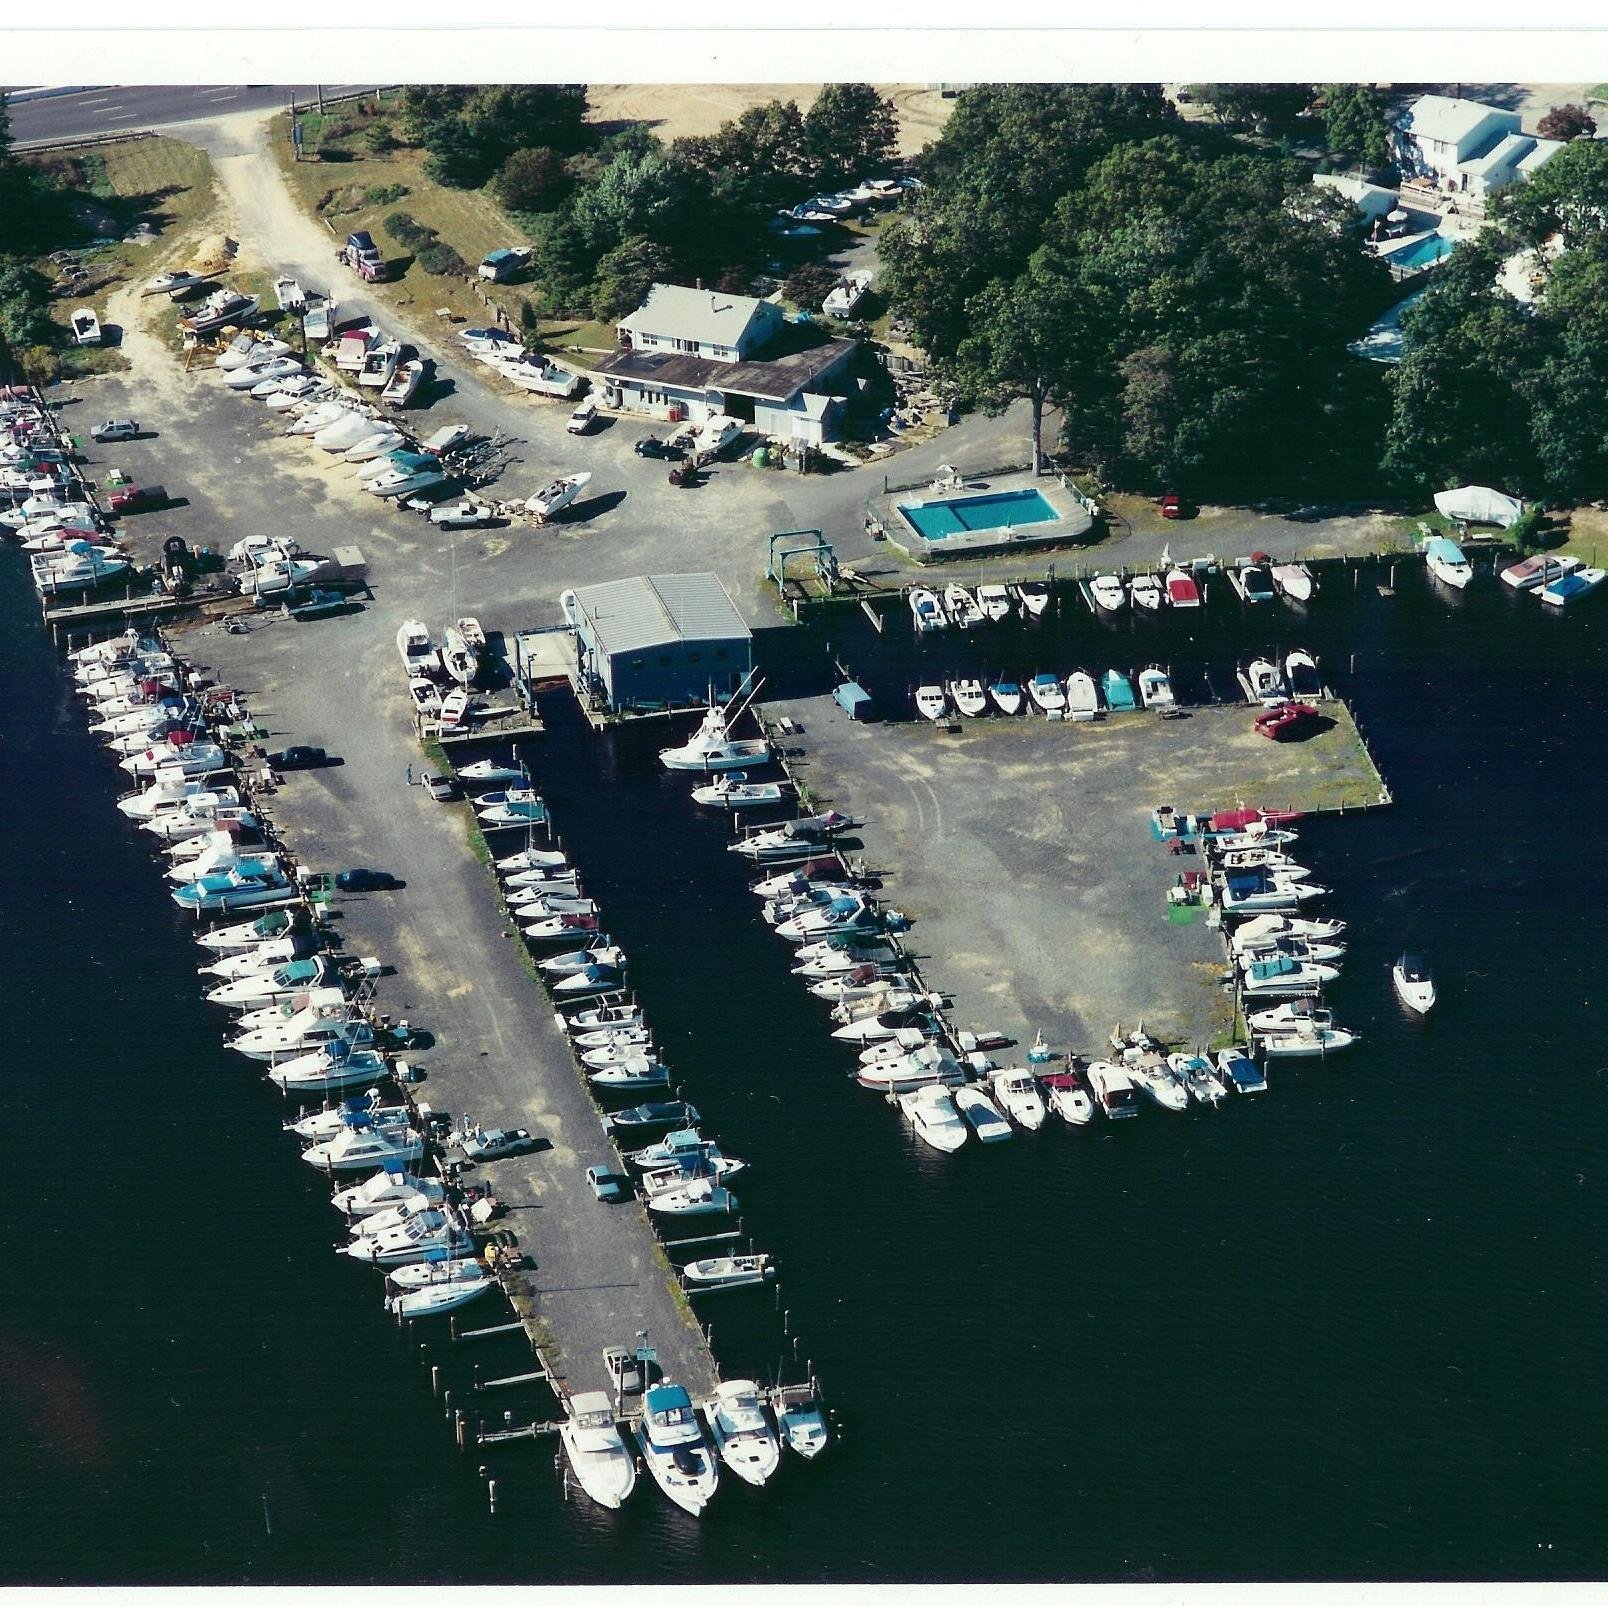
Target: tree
<point x="457" y="158"/>
<point x="1568" y="196"/>
<point x="510" y="117"/>
<point x="849" y="132"/>
<point x="1253" y="105"/>
<point x="24" y="305"/>
<point x="1355" y="123"/>
<point x="634" y="194"/>
<point x="626" y="274"/>
<point x="424" y="105"/>
<point x="1566" y="123"/>
<point x="533" y="179"/>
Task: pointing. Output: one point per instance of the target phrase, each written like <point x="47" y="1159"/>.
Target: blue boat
<point x="248" y="882"/>
<point x="1571" y="587"/>
<point x="1118" y="692"/>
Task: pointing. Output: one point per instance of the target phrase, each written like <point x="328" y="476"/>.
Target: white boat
<point x="1238" y="1072"/>
<point x="372" y="1148"/>
<point x="1414" y="984"/>
<point x="459" y="658"/>
<point x="277" y="575"/>
<point x="1447" y="562"/>
<point x="1006" y="696"/>
<point x="321" y="1125"/>
<point x="488" y="772"/>
<point x="727" y="1271"/>
<point x="1534" y="573"/>
<point x="603" y="1466"/>
<point x="931" y="1112"/>
<point x="1034" y="596"/>
<point x="79" y="568"/>
<point x="264" y="956"/>
<point x="408" y="472"/>
<point x="712" y="747"/>
<point x="637" y="1072"/>
<point x="1153" y="1075"/>
<point x="1082" y="700"/>
<point x="932" y="702"/>
<point x="387" y="1189"/>
<point x="352" y="426"/>
<point x="1301" y="674"/>
<point x="1047" y="695"/>
<point x="1069" y="1098"/>
<point x="329" y="1068"/>
<point x="1294" y="581"/>
<point x="436" y="1298"/>
<point x="1258" y="892"/>
<point x="742" y="1432"/>
<point x="1572" y="587"/>
<point x="374" y="445"/>
<point x="251" y="933"/>
<point x="380" y="365"/>
<point x="245" y="884"/>
<point x="969" y="697"/>
<point x="552" y="499"/>
<point x="1113" y="1090"/>
<point x="1108" y="593"/>
<point x="1155" y="689"/>
<point x="540" y="375"/>
<point x="300" y="392"/>
<point x="580" y="960"/>
<point x="247" y="349"/>
<point x="1018" y="1094"/>
<point x="294" y="1032"/>
<point x="1195" y="1071"/>
<point x="417" y="651"/>
<point x="321" y="416"/>
<point x="974" y="1103"/>
<point x="1293" y="1015"/>
<point x="702" y="1196"/>
<point x="995" y="602"/>
<point x="924" y="609"/>
<point x="961" y="606"/>
<point x="402" y="386"/>
<point x="1261" y="681"/>
<point x="674" y="1448"/>
<point x="275" y="368"/>
<point x="1278" y="975"/>
<point x="731" y="790"/>
<point x="1145" y="589"/>
<point x="271" y="986"/>
<point x="1307" y="1043"/>
<point x="290" y="295"/>
<point x="425" y="1236"/>
<point x="85" y="327"/>
<point x="1262" y="930"/>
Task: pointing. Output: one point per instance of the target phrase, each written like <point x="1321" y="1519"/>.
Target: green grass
<point x="1407" y="528"/>
<point x="570" y="334"/>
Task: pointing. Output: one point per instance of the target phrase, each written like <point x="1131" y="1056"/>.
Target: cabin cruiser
<point x="969" y="697"/>
<point x="634" y="1073"/>
<point x="488" y="772"/>
<point x="995" y="602"/>
<point x="1151" y="1073"/>
<point x="1069" y="1097"/>
<point x="175" y="756"/>
<point x="1572" y="587"/>
<point x="1145" y="589"/>
<point x="702" y="1196"/>
<point x="552" y="499"/>
<point x="584" y="983"/>
<point x="252" y="933"/>
<point x="408" y="472"/>
<point x="1306" y="1042"/>
<point x="79" y="568"/>
<point x="1265" y="930"/>
<point x="263" y="956"/>
<point x="1269" y="859"/>
<point x="436" y="1298"/>
<point x="421" y="1237"/>
<point x="1082" y="700"/>
<point x="973" y="1102"/>
<point x="604" y="1017"/>
<point x="380" y="363"/>
<point x="1445" y="560"/>
<point x="352" y="425"/>
<point x="418" y="652"/>
<point x="1534" y="573"/>
<point x="797" y="839"/>
<point x="435" y="1272"/>
<point x="961" y="606"/>
<point x="1294" y="581"/>
<point x="1260" y="891"/>
<point x="362" y="1146"/>
<point x="733" y="790"/>
<point x="1018" y="1094"/>
<point x="323" y="1022"/>
<point x="365" y="1109"/>
<point x="1414" y="984"/>
<point x="929" y="1064"/>
<point x="243" y="884"/>
<point x="273" y="986"/>
<point x="932" y="702"/>
<point x="249" y="350"/>
<point x="538" y="374"/>
<point x="1282" y="974"/>
<point x="712" y="747"/>
<point x="1196" y="1073"/>
<point x="727" y="1271"/>
<point x="1113" y="1089"/>
<point x="329" y="1068"/>
<point x="1047" y="695"/>
<point x="603" y="1466"/>
<point x="1006" y="696"/>
<point x="925" y="610"/>
<point x="1239" y="1072"/>
<point x="674" y="1448"/>
<point x="742" y="1432"/>
<point x="839" y="916"/>
<point x="380" y="442"/>
<point x="1155" y="689"/>
<point x="931" y="1112"/>
<point x="260" y="374"/>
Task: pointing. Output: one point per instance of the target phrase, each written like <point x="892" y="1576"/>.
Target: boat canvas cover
<point x="1267" y="969"/>
<point x="1479" y="504"/>
<point x="1443" y="550"/>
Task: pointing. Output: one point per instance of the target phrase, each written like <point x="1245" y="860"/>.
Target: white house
<point x="1465" y="147"/>
<point x="687" y="355"/>
<point x="1372" y="200"/>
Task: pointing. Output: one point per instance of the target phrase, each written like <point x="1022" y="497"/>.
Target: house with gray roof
<point x="1465" y="147"/>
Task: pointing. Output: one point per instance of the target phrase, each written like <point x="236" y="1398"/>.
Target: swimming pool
<point x="1422" y="252"/>
<point x="949" y="516"/>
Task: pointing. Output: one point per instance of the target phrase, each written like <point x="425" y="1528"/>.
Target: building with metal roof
<point x="658" y="641"/>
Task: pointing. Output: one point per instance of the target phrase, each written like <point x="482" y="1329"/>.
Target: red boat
<point x="1182" y="592"/>
<point x="1230" y="821"/>
<point x="1286" y="720"/>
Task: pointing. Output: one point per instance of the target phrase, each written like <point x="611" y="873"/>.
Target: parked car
<point x="583" y="417"/>
<point x="364" y="880"/>
<point x="625" y="1372"/>
<point x="606" y="1185"/>
<point x="494" y="1142"/>
<point x="463" y="514"/>
<point x="443" y="788"/>
<point x="1174" y="506"/>
<point x="116" y="429"/>
<point x="652" y="446"/>
<point x="298" y="758"/>
<point x="137" y="499"/>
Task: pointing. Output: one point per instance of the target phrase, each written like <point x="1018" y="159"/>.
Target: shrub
<point x="532" y="180"/>
<point x="379" y="138"/>
<point x="406" y="232"/>
<point x="384" y="194"/>
<point x="441" y="260"/>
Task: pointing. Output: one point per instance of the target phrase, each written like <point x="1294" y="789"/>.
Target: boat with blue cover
<point x="243" y="885"/>
<point x="674" y="1448"/>
<point x="1572" y="587"/>
<point x="1118" y="692"/>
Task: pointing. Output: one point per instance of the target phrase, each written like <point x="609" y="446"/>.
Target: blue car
<point x="606" y="1185"/>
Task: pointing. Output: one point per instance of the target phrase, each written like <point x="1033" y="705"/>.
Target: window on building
<point x="720" y="652"/>
<point x="693" y="657"/>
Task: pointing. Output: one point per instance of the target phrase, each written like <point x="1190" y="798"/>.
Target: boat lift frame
<point x="805" y="541"/>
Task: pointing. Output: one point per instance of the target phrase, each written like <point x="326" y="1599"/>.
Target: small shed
<point x="854" y="700"/>
<point x="658" y="641"/>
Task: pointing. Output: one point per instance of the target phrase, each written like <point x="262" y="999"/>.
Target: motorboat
<point x="244" y="884"/>
<point x="1292" y="1015"/>
<point x="961" y="606"/>
<point x="550" y="896"/>
<point x="275" y="368"/>
<point x="1301" y="674"/>
<point x="925" y="610"/>
<point x="841" y="915"/>
<point x="427" y="1235"/>
<point x="1118" y="692"/>
<point x="641" y="1117"/>
<point x="1262" y="892"/>
<point x="701" y="1196"/>
<point x="257" y="988"/>
<point x="459" y="658"/>
<point x="1146" y="592"/>
<point x="299" y="394"/>
<point x="1006" y="696"/>
<point x="743" y="1436"/>
<point x="290" y="295"/>
<point x="85" y="326"/>
<point x="378" y="443"/>
<point x="932" y="702"/>
<point x="321" y="416"/>
<point x="1253" y="580"/>
<point x="404" y="383"/>
<point x="488" y="772"/>
<point x="322" y="1125"/>
<point x="437" y="1298"/>
<point x="583" y="983"/>
<point x="732" y="790"/>
<point x="1261" y="681"/>
<point x="81" y="567"/>
<point x="488" y="339"/>
<point x="413" y="471"/>
<point x="1182" y="589"/>
<point x="361" y="1146"/>
<point x="712" y="747"/>
<point x="1155" y="689"/>
<point x="1414" y="984"/>
<point x="1155" y="1077"/>
<point x="1311" y="1042"/>
<point x="1047" y="695"/>
<point x="552" y="499"/>
<point x="685" y="1146"/>
<point x="1069" y="1097"/>
<point x="1271" y="859"/>
<point x="559" y="926"/>
<point x="380" y="364"/>
<point x="674" y="1448"/>
<point x="727" y="1271"/>
<point x="578" y="960"/>
<point x="1082" y="700"/>
<point x="295" y="1032"/>
<point x="969" y="697"/>
<point x="1540" y="570"/>
<point x="1263" y="930"/>
<point x="928" y="1065"/>
<point x="1294" y="581"/>
<point x="265" y="956"/>
<point x="995" y="602"/>
<point x="175" y="757"/>
<point x="1108" y="593"/>
<point x="329" y="1068"/>
<point x="974" y="1103"/>
<point x="251" y="934"/>
<point x="248" y="350"/>
<point x="174" y="282"/>
<point x="794" y="840"/>
<point x="932" y="1115"/>
<point x="350" y="426"/>
<point x="520" y="813"/>
<point x="1113" y="1090"/>
<point x="531" y="371"/>
<point x="1034" y="596"/>
<point x="1196" y="1073"/>
<point x="1445" y="560"/>
<point x="1239" y="1072"/>
<point x="1017" y="1092"/>
<point x="603" y="1466"/>
<point x="1572" y="587"/>
<point x="418" y="651"/>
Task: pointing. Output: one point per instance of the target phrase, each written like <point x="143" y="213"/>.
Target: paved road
<point x="115" y="109"/>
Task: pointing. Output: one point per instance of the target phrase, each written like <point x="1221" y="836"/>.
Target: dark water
<point x="1348" y="1330"/>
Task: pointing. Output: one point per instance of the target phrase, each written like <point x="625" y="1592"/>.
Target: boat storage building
<point x="656" y="641"/>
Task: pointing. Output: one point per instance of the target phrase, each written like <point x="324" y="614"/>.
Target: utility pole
<point x="319" y="90"/>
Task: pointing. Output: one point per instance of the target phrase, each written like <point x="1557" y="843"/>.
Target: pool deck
<point x="1072" y="523"/>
